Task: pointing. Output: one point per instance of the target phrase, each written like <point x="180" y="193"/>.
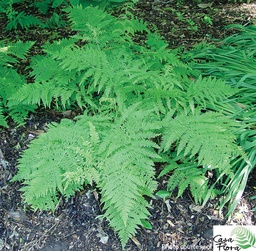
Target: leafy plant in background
<point x="17" y="19"/>
<point x="235" y="63"/>
<point x="210" y="1"/>
<point x="17" y="11"/>
<point x="191" y="25"/>
<point x="2" y="118"/>
<point x="11" y="81"/>
<point x="207" y="19"/>
<point x="240" y="1"/>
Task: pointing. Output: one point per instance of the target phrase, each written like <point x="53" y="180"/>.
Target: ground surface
<point x="74" y="226"/>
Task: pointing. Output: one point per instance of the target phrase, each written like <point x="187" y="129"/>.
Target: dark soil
<point x="74" y="225"/>
<point x="189" y="24"/>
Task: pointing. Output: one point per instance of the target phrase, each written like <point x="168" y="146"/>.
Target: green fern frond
<point x="44" y="68"/>
<point x="92" y="23"/>
<point x="209" y="136"/>
<point x="11" y="81"/>
<point x="20" y="49"/>
<point x="53" y="49"/>
<point x="189" y="176"/>
<point x="10" y="53"/>
<point x="123" y="200"/>
<point x="199" y="187"/>
<point x="166" y="97"/>
<point x="47" y="94"/>
<point x="2" y="117"/>
<point x="132" y="25"/>
<point x="118" y="156"/>
<point x="24" y="21"/>
<point x="209" y="90"/>
<point x="158" y="50"/>
<point x="127" y="171"/>
<point x="43" y="6"/>
<point x="37" y="93"/>
<point x="19" y="112"/>
<point x="91" y="62"/>
<point x="47" y="160"/>
<point x="57" y="3"/>
<point x="85" y="171"/>
<point x="81" y="58"/>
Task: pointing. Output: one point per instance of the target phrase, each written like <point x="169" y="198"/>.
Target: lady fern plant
<point x="115" y="153"/>
<point x="141" y="105"/>
<point x="106" y="65"/>
<point x="11" y="81"/>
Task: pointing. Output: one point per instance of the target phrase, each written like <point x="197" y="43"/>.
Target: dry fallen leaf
<point x="204" y="5"/>
<point x="170" y="223"/>
<point x="167" y="203"/>
<point x="195" y="208"/>
<point x="136" y="242"/>
<point x="36" y="132"/>
<point x="102" y="235"/>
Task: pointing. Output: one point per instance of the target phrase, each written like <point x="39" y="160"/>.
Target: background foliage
<point x="234" y="62"/>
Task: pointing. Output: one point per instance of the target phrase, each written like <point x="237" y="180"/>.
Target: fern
<point x="95" y="28"/>
<point x="92" y="27"/>
<point x="2" y="118"/>
<point x="88" y="158"/>
<point x="188" y="175"/>
<point x="126" y="169"/>
<point x="12" y="81"/>
<point x="209" y="92"/>
<point x="47" y="151"/>
<point x="134" y="96"/>
<point x="201" y="142"/>
<point x="209" y="136"/>
<point x="44" y="93"/>
<point x="24" y="21"/>
<point x="53" y="86"/>
<point x="10" y="53"/>
<point x="108" y="63"/>
<point x="21" y="19"/>
<point x="43" y="6"/>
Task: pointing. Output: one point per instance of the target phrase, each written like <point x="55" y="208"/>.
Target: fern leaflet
<point x="127" y="171"/>
<point x="2" y="118"/>
<point x="24" y="20"/>
<point x="209" y="90"/>
<point x="209" y="136"/>
<point x="47" y="151"/>
<point x="188" y="175"/>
